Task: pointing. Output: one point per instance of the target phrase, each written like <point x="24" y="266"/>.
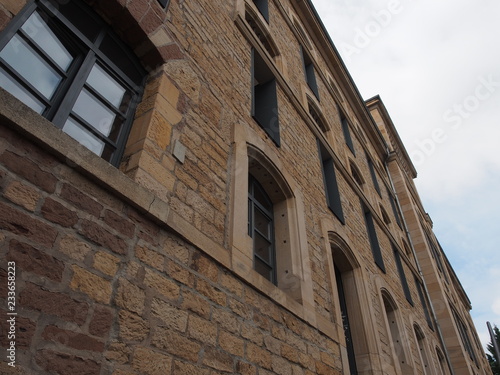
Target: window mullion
<point x="74" y="90"/>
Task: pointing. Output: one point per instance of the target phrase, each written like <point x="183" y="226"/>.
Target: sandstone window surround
<point x="423" y="349"/>
<point x="255" y="157"/>
<point x="63" y="62"/>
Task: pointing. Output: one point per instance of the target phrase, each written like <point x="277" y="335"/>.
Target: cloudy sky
<point x="436" y="66"/>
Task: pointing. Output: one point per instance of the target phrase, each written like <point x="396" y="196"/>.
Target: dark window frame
<point x="264" y="97"/>
<point x="309" y="73"/>
<point x="88" y="49"/>
<point x="330" y="184"/>
<point x="253" y="205"/>
<point x="373" y="174"/>
<point x="372" y="237"/>
<point x="402" y="275"/>
<point x="423" y="301"/>
<point x="395" y="209"/>
<point x="346" y="131"/>
<point x="263" y="7"/>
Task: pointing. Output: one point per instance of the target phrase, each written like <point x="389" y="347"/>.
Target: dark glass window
<point x="402" y="275"/>
<point x="423" y="301"/>
<point x="309" y="72"/>
<point x="261" y="229"/>
<point x="372" y="236"/>
<point x="374" y="175"/>
<point x="164" y="3"/>
<point x="263" y="7"/>
<point x="264" y="98"/>
<point x="65" y="63"/>
<point x="347" y="133"/>
<point x="330" y="183"/>
<point x="394" y="207"/>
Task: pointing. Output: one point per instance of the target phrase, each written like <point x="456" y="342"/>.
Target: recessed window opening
<point x="263" y="7"/>
<point x="316" y="116"/>
<point x="264" y="98"/>
<point x="261" y="32"/>
<point x="402" y="275"/>
<point x="347" y="133"/>
<point x="372" y="237"/>
<point x="385" y="217"/>
<point x="74" y="71"/>
<point x="330" y="183"/>
<point x="394" y="331"/>
<point x="356" y="174"/>
<point x="422" y="348"/>
<point x="309" y="72"/>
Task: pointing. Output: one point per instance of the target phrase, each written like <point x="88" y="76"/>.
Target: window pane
<point x="106" y="86"/>
<point x="262" y="198"/>
<point x="262" y="248"/>
<point x="40" y="32"/>
<point x="30" y="65"/>
<point x="89" y="108"/>
<point x="263" y="269"/>
<point x="19" y="92"/>
<point x="83" y="136"/>
<point x="262" y="223"/>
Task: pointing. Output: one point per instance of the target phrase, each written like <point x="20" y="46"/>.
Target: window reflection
<point x="83" y="136"/>
<point x="95" y="113"/>
<point x="30" y="66"/>
<point x="7" y="83"/>
<point x="39" y="31"/>
<point x="106" y="86"/>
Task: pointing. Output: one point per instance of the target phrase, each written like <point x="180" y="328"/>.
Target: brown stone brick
<point x="102" y="237"/>
<point x="150" y="362"/>
<point x="244" y="368"/>
<point x="252" y="333"/>
<point x="176" y="344"/>
<point x="51" y="303"/>
<point x="66" y="364"/>
<point x="226" y="320"/>
<point x="101" y="321"/>
<point x="194" y="302"/>
<point x="132" y="327"/>
<point x="290" y="353"/>
<point x="180" y="273"/>
<point x="183" y="368"/>
<point x="240" y="308"/>
<point x="23" y="195"/>
<point x="57" y="213"/>
<point x="171" y="316"/>
<point x="32" y="260"/>
<point x="232" y="284"/>
<point x="323" y="369"/>
<point x="231" y="344"/>
<point x="151" y="21"/>
<point x="80" y="200"/>
<point x="28" y="170"/>
<point x="74" y="248"/>
<point x="72" y="339"/>
<point x="211" y="292"/>
<point x="118" y="352"/>
<point x="273" y="345"/>
<point x="162" y="285"/>
<point x="202" y="330"/>
<point x="218" y="360"/>
<point x="21" y="224"/>
<point x="130" y="297"/>
<point x="106" y="263"/>
<point x="118" y="223"/>
<point x="25" y="329"/>
<point x="150" y="257"/>
<point x="94" y="286"/>
<point x="259" y="356"/>
<point x="281" y="366"/>
<point x="204" y="266"/>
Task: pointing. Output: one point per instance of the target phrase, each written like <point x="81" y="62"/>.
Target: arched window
<point x="422" y="348"/>
<point x="394" y="332"/>
<point x="62" y="60"/>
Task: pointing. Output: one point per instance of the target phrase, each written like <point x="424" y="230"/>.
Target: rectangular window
<point x="372" y="236"/>
<point x="264" y="98"/>
<point x="423" y="301"/>
<point x="395" y="210"/>
<point x="347" y="133"/>
<point x="374" y="175"/>
<point x="402" y="276"/>
<point x="263" y="7"/>
<point x="309" y="72"/>
<point x="330" y="182"/>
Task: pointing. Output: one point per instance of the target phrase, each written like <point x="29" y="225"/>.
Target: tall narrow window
<point x="423" y="301"/>
<point x="402" y="275"/>
<point x="309" y="72"/>
<point x="373" y="174"/>
<point x="422" y="348"/>
<point x="65" y="63"/>
<point x="372" y="236"/>
<point x="464" y="334"/>
<point x="345" y="323"/>
<point x="394" y="207"/>
<point x="263" y="7"/>
<point x="261" y="229"/>
<point x="264" y="98"/>
<point x="347" y="132"/>
<point x="330" y="182"/>
<point x="394" y="332"/>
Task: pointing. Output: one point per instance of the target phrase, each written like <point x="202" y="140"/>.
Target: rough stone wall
<point x="103" y="290"/>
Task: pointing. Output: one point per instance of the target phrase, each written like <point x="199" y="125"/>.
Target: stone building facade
<point x="191" y="187"/>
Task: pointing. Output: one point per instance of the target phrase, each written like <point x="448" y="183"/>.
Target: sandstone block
<point x="22" y="195"/>
<point x="94" y="286"/>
